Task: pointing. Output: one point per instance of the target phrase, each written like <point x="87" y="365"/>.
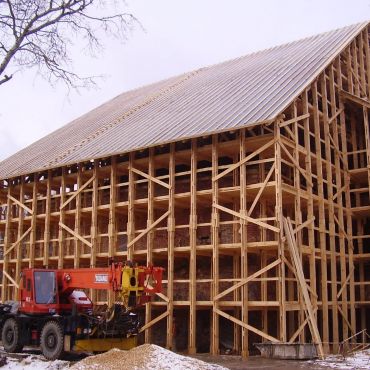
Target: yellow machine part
<point x="130" y="280"/>
<point x="104" y="344"/>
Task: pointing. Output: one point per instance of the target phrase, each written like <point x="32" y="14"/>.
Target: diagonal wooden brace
<point x="247" y="218"/>
<point x="246" y="326"/>
<point x="153" y="225"/>
<point x="151" y="178"/>
<point x="18" y="241"/>
<point x="78" y="236"/>
<point x="249" y="278"/>
<point x="244" y="160"/>
<point x="11" y="279"/>
<point x="154" y="321"/>
<point x="296" y="164"/>
<point x="262" y="188"/>
<point x="84" y="186"/>
<point x="16" y="201"/>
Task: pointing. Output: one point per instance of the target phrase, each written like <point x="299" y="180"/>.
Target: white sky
<point x="180" y="35"/>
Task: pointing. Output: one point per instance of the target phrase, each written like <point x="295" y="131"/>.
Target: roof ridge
<point x="126" y="114"/>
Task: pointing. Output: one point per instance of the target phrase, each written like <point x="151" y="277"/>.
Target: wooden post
<point x="150" y="237"/>
<point x="279" y="217"/>
<point x="193" y="251"/>
<point x="94" y="223"/>
<point x="339" y="201"/>
<point x="322" y="223"/>
<point x="77" y="243"/>
<point x="131" y="209"/>
<point x="112" y="223"/>
<point x="331" y="214"/>
<point x="33" y="222"/>
<point x="61" y="220"/>
<point x="19" y="258"/>
<point x="310" y="205"/>
<point x="171" y="246"/>
<point x="215" y="251"/>
<point x="47" y="224"/>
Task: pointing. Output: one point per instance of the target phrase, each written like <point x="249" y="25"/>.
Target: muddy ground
<point x="257" y="363"/>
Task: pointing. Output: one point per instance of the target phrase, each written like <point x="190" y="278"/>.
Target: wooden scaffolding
<point x="211" y="210"/>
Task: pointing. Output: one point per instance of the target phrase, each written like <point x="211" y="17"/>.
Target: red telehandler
<point x="54" y="313"/>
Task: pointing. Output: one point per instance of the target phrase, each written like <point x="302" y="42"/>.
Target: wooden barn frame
<point x="264" y="230"/>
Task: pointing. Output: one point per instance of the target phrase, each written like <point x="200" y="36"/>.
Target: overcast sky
<point x="179" y="36"/>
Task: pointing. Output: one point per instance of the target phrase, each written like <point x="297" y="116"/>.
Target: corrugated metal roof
<point x="229" y="95"/>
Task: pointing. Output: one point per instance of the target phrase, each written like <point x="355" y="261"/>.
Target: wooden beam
<point x="151" y="227"/>
<point x="18" y="241"/>
<point x="154" y="321"/>
<point x="262" y="188"/>
<point x="150" y="241"/>
<point x="305" y="224"/>
<point x="340" y="191"/>
<point x="296" y="164"/>
<point x="321" y="217"/>
<point x="83" y="187"/>
<point x="355" y="99"/>
<point x="247" y="218"/>
<point x="47" y="221"/>
<point x="193" y="250"/>
<point x="151" y="178"/>
<point x="215" y="240"/>
<point x="301" y="327"/>
<point x="244" y="160"/>
<point x="346" y="282"/>
<point x="171" y="223"/>
<point x="11" y="279"/>
<point x="293" y="120"/>
<point x="346" y="320"/>
<point x="291" y="268"/>
<point x="16" y="201"/>
<point x="331" y="120"/>
<point x="248" y="279"/>
<point x="79" y="237"/>
<point x="246" y="326"/>
<point x="341" y="227"/>
<point x="4" y="289"/>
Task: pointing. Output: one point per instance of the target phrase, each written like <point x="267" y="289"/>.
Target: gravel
<point x="144" y="357"/>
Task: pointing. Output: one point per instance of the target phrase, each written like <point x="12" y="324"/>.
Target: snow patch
<point x="33" y="362"/>
<point x="358" y="361"/>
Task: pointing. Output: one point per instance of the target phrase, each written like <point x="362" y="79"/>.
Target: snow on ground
<point x="144" y="357"/>
<point x="33" y="362"/>
<point x="358" y="361"/>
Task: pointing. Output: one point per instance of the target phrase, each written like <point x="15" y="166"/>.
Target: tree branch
<point x="38" y="34"/>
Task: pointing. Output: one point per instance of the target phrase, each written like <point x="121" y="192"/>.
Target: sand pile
<point x="145" y="357"/>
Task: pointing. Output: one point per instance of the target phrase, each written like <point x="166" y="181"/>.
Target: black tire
<point x="11" y="336"/>
<point x="52" y="340"/>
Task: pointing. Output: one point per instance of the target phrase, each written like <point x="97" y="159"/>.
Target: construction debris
<point x="144" y="357"/>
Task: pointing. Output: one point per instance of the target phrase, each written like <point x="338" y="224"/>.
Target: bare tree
<point x="40" y="33"/>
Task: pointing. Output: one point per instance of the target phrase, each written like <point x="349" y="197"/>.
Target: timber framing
<point x="264" y="230"/>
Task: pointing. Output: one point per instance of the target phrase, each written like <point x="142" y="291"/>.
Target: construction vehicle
<point x="55" y="314"/>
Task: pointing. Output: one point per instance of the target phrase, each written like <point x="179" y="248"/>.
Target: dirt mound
<point x="145" y="357"/>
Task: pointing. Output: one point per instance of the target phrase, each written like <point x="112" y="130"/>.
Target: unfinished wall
<point x="210" y="209"/>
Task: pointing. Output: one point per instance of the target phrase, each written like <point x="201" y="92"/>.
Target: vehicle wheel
<point x="52" y="340"/>
<point x="11" y="336"/>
